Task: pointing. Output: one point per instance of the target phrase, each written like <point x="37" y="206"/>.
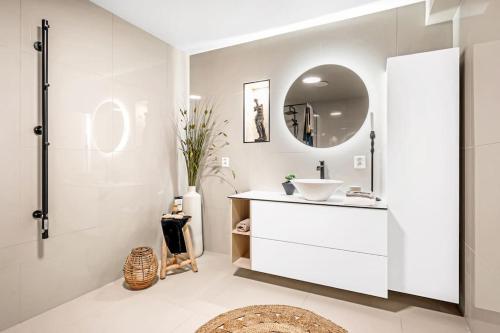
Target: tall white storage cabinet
<point x="423" y="174"/>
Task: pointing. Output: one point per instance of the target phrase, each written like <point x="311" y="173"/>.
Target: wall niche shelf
<point x="243" y="233"/>
<point x="240" y="241"/>
<point x="243" y="263"/>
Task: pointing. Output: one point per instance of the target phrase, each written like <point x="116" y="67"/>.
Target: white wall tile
<point x="104" y="198"/>
<point x="10" y="20"/>
<point x="477" y="26"/>
<point x="486" y="227"/>
<point x="10" y="96"/>
<point x="10" y="295"/>
<point x="80" y="34"/>
<point x="486" y="69"/>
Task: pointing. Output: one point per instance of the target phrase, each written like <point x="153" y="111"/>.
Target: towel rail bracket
<point x="38" y="130"/>
<point x="38" y="46"/>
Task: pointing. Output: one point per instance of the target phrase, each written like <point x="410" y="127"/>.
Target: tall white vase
<point x="191" y="205"/>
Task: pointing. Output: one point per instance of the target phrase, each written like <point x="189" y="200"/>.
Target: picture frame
<point x="256" y="111"/>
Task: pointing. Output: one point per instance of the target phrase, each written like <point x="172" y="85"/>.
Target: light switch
<point x="360" y="162"/>
<point x="225" y="162"/>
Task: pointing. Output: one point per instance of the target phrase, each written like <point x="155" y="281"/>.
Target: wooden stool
<point x="176" y="262"/>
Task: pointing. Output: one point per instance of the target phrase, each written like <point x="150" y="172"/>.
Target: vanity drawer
<point x="363" y="273"/>
<point x="344" y="228"/>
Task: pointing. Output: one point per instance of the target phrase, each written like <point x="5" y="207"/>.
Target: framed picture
<point x="256" y="111"/>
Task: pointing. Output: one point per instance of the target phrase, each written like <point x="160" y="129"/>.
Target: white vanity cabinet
<point x="327" y="243"/>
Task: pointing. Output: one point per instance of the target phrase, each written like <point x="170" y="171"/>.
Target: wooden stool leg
<point x="164" y="260"/>
<point x="189" y="246"/>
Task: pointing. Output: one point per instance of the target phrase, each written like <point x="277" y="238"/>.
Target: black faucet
<point x="321" y="169"/>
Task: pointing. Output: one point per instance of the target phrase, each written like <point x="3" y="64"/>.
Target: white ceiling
<point x="200" y="25"/>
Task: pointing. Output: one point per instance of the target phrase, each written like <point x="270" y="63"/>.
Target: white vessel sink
<point x="317" y="189"/>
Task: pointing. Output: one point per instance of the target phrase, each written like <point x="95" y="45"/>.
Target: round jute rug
<point x="270" y="318"/>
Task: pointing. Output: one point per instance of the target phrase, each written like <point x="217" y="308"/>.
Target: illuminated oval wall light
<point x="120" y="107"/>
<point x="335" y="113"/>
<point x="117" y="106"/>
<point x="194" y="97"/>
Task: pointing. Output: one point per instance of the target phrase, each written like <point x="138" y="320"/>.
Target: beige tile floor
<point x="184" y="301"/>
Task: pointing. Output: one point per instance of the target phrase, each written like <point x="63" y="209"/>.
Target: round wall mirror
<point x="326" y="106"/>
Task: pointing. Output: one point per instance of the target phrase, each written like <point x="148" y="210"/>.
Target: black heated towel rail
<point x="43" y="129"/>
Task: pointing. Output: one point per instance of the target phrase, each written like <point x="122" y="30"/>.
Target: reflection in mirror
<point x="326" y="106"/>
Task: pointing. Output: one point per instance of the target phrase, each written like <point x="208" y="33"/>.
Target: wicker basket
<point x="141" y="268"/>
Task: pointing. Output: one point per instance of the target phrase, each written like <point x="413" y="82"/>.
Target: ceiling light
<point x="311" y="79"/>
<point x="316" y="115"/>
<point x="335" y="113"/>
<point x="195" y="97"/>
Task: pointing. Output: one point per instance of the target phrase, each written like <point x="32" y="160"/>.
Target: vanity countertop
<point x="296" y="198"/>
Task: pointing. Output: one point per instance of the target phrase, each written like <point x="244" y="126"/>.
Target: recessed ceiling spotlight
<point x="195" y="97"/>
<point x="321" y="84"/>
<point x="311" y="79"/>
<point x="335" y="113"/>
<point x="316" y="115"/>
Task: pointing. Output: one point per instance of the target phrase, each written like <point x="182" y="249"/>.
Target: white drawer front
<point x="363" y="273"/>
<point x="346" y="228"/>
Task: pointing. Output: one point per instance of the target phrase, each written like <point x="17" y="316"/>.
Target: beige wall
<point x="362" y="44"/>
<point x="108" y="185"/>
<point x="476" y="25"/>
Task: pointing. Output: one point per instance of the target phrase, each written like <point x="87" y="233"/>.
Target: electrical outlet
<point x="225" y="162"/>
<point x="360" y="162"/>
